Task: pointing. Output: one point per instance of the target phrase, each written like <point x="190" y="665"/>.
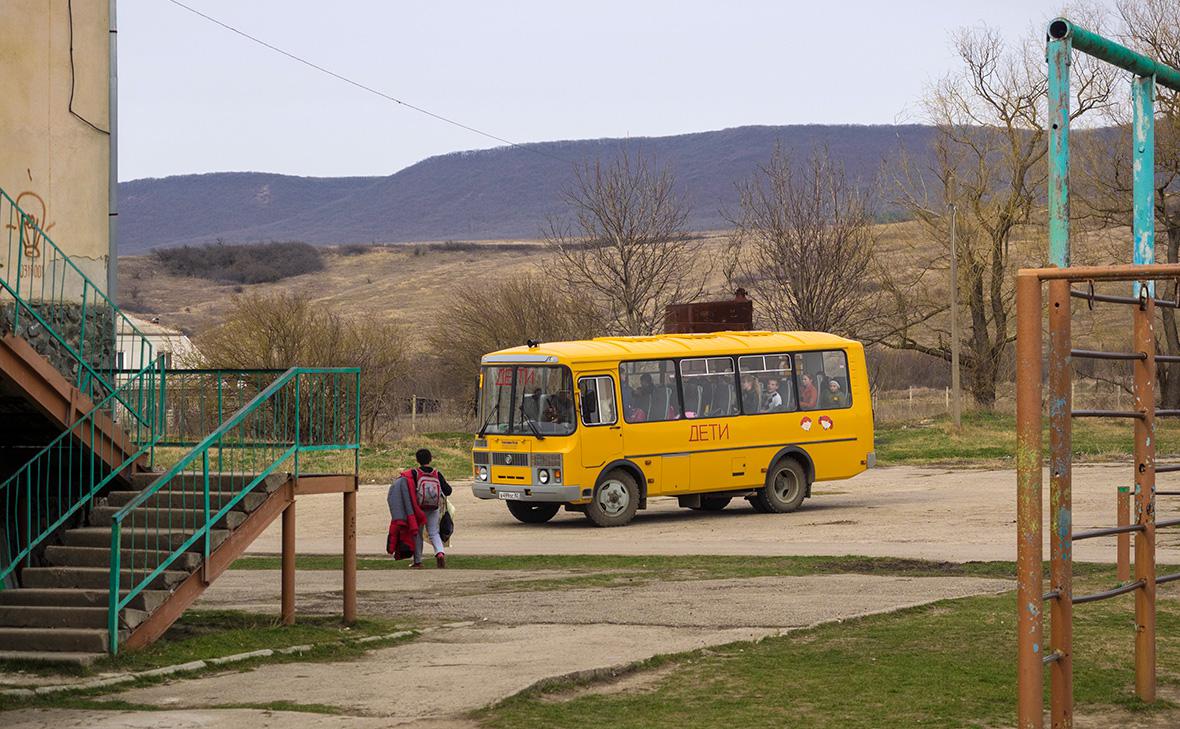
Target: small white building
<point x="173" y="344"/>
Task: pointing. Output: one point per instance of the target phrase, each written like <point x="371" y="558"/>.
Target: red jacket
<point x="403" y="532"/>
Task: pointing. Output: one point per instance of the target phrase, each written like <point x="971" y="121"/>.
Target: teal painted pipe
<point x="1114" y="53"/>
<point x="1143" y="168"/>
<point x="1058" y="57"/>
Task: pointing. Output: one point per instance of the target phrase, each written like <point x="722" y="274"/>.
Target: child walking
<point x="432" y="490"/>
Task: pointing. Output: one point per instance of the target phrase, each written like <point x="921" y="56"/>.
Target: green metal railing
<point x="65" y="476"/>
<point x="199" y="401"/>
<point x="46" y="298"/>
<point x="305" y="412"/>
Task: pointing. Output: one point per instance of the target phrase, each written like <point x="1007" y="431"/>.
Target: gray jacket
<point x="400" y="505"/>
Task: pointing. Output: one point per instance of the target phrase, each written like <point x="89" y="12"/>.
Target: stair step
<point x="63" y="556"/>
<point x="183" y="499"/>
<point x="72" y="640"/>
<point x="146" y="601"/>
<point x="183" y="520"/>
<point x="95" y="577"/>
<point x="81" y="660"/>
<point x="51" y="616"/>
<point x="100" y="536"/>
<point x="192" y="481"/>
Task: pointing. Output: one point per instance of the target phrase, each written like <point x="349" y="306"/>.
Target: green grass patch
<point x="948" y="664"/>
<point x="991" y="437"/>
<point x="202" y="634"/>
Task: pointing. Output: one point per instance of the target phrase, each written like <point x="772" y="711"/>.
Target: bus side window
<point x="598" y="400"/>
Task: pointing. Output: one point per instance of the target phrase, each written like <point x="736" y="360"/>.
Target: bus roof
<point x="668" y="345"/>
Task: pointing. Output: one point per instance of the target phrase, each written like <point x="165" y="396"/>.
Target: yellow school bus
<point x="602" y="425"/>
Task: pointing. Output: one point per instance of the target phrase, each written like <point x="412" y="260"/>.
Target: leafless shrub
<point x="288" y="330"/>
<point x="244" y="264"/>
<point x="477" y="320"/>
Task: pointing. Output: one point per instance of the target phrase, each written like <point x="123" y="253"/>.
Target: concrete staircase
<point x="59" y="612"/>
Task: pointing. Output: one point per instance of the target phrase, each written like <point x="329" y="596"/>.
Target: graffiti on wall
<point x="32" y="225"/>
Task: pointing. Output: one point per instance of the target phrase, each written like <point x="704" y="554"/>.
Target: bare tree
<point x="803" y="243"/>
<point x="989" y="162"/>
<point x="626" y="249"/>
<point x="1104" y="162"/>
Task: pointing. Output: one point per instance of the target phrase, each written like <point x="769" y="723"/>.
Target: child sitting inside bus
<point x="834" y="396"/>
<point x="808" y="396"/>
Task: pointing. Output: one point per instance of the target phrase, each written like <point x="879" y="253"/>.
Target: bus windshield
<point x="527" y="400"/>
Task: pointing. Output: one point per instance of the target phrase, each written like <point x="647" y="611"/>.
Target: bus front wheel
<point x="532" y="513"/>
<point x="786" y="485"/>
<point x="615" y="501"/>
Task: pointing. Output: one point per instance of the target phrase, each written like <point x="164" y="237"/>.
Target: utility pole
<point x="956" y="398"/>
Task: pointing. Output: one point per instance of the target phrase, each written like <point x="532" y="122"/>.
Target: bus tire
<point x="531" y="512"/>
<point x="616" y="499"/>
<point x="715" y="503"/>
<point x="786" y="486"/>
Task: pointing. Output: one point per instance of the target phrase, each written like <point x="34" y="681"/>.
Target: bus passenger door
<point x="601" y="435"/>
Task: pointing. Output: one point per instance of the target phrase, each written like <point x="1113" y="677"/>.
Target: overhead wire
<point x="362" y="86"/>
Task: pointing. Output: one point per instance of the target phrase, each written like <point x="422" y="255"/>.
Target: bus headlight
<point x="543" y="476"/>
<point x="483" y="473"/>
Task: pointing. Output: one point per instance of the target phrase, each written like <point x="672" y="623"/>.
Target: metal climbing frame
<point x="1033" y="654"/>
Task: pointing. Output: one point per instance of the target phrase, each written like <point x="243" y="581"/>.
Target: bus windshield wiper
<point x="531" y="423"/>
<point x="488" y="420"/>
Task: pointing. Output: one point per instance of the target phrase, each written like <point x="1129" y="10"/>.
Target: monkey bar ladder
<point x="1032" y="653"/>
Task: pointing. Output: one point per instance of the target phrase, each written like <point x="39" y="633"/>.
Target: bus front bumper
<point x="536" y="492"/>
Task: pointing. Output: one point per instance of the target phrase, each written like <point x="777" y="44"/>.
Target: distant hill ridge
<point x="507" y="192"/>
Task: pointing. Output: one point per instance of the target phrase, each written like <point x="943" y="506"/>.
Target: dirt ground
<point x="955" y="514"/>
<point x="512" y="636"/>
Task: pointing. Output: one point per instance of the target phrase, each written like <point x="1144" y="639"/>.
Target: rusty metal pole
<point x="1144" y="334"/>
<point x="350" y="557"/>
<point x="1029" y="628"/>
<point x="288" y="565"/>
<point x="1060" y="504"/>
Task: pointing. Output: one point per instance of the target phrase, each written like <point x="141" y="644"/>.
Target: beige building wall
<point x="53" y="164"/>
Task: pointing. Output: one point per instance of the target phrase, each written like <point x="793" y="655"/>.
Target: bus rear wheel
<point x="786" y="485"/>
<point x="531" y="512"/>
<point x="616" y="499"/>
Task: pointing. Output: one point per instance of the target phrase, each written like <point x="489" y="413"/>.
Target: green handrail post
<point x="356" y="413"/>
<point x="82" y="331"/>
<point x="1143" y="167"/>
<point x="29" y="515"/>
<point x="298" y="417"/>
<point x="113" y="595"/>
<point x="1059" y="52"/>
<point x="20" y="252"/>
<point x="205" y="478"/>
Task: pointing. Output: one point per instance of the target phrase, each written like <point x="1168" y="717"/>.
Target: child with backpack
<point x="431" y="489"/>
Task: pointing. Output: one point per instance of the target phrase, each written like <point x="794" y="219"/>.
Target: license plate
<point x="510" y="495"/>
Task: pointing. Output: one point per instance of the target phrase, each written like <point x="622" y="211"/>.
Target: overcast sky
<point x="194" y="97"/>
